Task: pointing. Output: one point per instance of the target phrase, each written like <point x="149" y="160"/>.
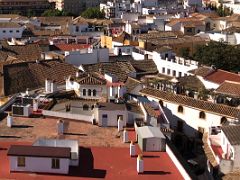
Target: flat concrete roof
<point x="150" y="132"/>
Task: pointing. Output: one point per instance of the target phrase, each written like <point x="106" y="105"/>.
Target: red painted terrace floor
<point x="101" y="163"/>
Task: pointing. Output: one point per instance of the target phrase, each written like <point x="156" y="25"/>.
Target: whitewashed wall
<point x="6" y="33"/>
<point x="190" y="116"/>
<point x="112" y="117"/>
<point x="97" y="55"/>
<point x="39" y="164"/>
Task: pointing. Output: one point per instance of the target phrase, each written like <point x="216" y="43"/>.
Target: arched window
<point x="223" y="120"/>
<point x="89" y="92"/>
<point x="202" y="115"/>
<point x="92" y="107"/>
<point x="180" y="109"/>
<point x="94" y="92"/>
<point x="84" y="92"/>
<point x="85" y="107"/>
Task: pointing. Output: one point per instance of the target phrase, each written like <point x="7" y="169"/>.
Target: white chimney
<point x="120" y="124"/>
<point x="125" y="136"/>
<point x="140" y="164"/>
<point x="60" y="127"/>
<point x="77" y="74"/>
<point x="9" y="120"/>
<point x="53" y="86"/>
<point x="27" y="91"/>
<point x="48" y="85"/>
<point x="132" y="149"/>
<point x="35" y="105"/>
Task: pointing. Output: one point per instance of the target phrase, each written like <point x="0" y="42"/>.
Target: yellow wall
<point x="106" y="41"/>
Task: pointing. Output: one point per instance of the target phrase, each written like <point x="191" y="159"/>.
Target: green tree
<point x="184" y="52"/>
<point x="92" y="13"/>
<point x="56" y="12"/>
<point x="219" y="54"/>
<point x="223" y="11"/>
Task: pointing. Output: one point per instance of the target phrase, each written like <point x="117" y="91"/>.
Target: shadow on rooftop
<point x="21" y="126"/>
<point x="10" y="137"/>
<point x="86" y="166"/>
<point x="156" y="173"/>
<point x="150" y="156"/>
<point x="75" y="134"/>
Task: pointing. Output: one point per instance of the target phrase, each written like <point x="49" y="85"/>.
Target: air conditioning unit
<point x="21" y="110"/>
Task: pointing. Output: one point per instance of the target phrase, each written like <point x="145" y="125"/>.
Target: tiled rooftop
<point x="32" y="75"/>
<point x="222" y="110"/>
<point x="120" y="69"/>
<point x="20" y="53"/>
<point x="229" y="88"/>
<point x="232" y="133"/>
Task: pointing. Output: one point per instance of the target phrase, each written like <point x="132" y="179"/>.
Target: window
<point x="89" y="92"/>
<point x="180" y="109"/>
<point x="17" y="31"/>
<point x="189" y="30"/>
<point x="163" y="70"/>
<point x="94" y="92"/>
<point x="104" y="116"/>
<point x="85" y="107"/>
<point x="84" y="92"/>
<point x="174" y="73"/>
<point x="77" y="29"/>
<point x="179" y="74"/>
<point x="223" y="120"/>
<point x="4" y="31"/>
<point x="119" y="117"/>
<point x="168" y="71"/>
<point x="55" y="163"/>
<point x="21" y="161"/>
<point x="202" y="115"/>
<point x="10" y="31"/>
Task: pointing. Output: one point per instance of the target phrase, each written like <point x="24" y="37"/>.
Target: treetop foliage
<point x="219" y="54"/>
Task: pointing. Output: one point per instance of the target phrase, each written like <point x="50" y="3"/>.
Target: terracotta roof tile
<point x="18" y="77"/>
<point x="219" y="76"/>
<point x="145" y="66"/>
<point x="201" y="71"/>
<point x="150" y="110"/>
<point x="229" y="88"/>
<point x="220" y="109"/>
<point x="232" y="133"/>
<point x="71" y="47"/>
<point x="131" y="83"/>
<point x="120" y="69"/>
<point x="28" y="52"/>
<point x="91" y="79"/>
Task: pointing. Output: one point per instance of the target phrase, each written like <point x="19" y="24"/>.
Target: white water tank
<point x="125" y="136"/>
<point x="9" y="120"/>
<point x="48" y="85"/>
<point x="120" y="124"/>
<point x="132" y="149"/>
<point x="140" y="164"/>
<point x="60" y="127"/>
